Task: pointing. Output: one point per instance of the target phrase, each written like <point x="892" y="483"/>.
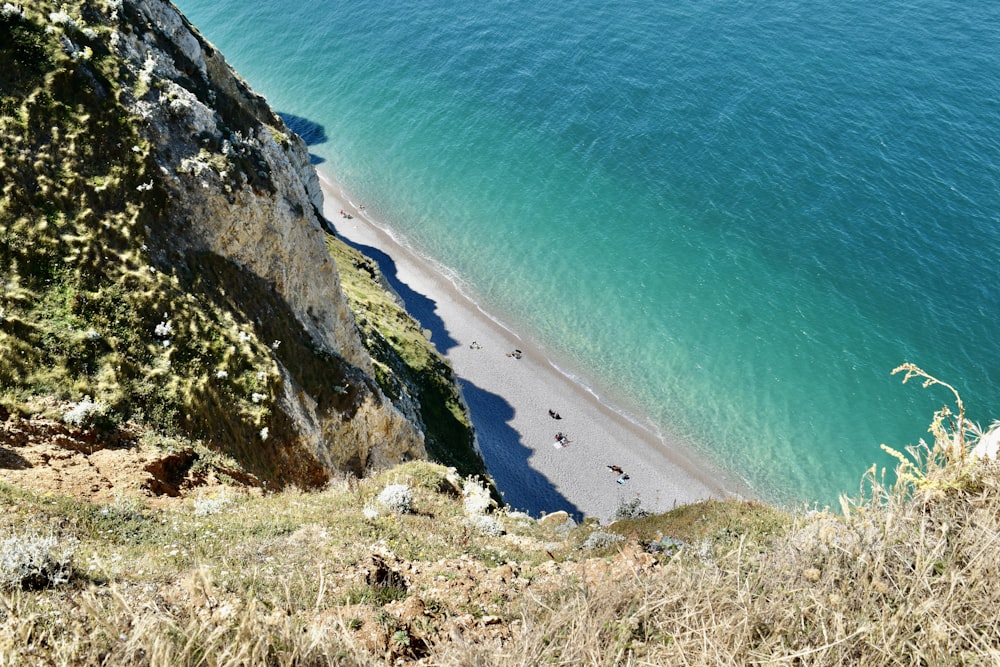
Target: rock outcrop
<point x="177" y="222"/>
<point x="263" y="217"/>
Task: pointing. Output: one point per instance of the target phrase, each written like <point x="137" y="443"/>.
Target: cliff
<point x="167" y="286"/>
<point x="164" y="256"/>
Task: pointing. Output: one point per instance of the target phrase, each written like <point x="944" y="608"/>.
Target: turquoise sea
<point x="732" y="219"/>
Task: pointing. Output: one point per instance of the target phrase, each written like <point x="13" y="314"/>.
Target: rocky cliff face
<point x="211" y="134"/>
<point x="163" y="247"/>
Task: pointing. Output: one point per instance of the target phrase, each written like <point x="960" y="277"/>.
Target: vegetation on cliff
<point x="78" y="311"/>
<point x="113" y="314"/>
<point x="406" y="362"/>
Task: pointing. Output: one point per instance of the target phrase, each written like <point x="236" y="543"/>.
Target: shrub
<point x="208" y="506"/>
<point x="397" y="498"/>
<point x="601" y="540"/>
<point x="85" y="413"/>
<point x="565" y="527"/>
<point x="477" y="497"/>
<point x="629" y="509"/>
<point x="668" y="546"/>
<point x="123" y="509"/>
<point x="486" y="525"/>
<point x="31" y="562"/>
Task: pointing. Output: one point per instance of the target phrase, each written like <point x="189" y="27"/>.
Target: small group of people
<point x="474" y="345"/>
<point x="622" y="475"/>
<point x="562" y="440"/>
<point x="517" y="354"/>
<point x="344" y="214"/>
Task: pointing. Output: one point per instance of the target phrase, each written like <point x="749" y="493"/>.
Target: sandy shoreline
<point x="509" y="399"/>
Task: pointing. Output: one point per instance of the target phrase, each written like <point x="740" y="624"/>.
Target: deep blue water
<point x="731" y="218"/>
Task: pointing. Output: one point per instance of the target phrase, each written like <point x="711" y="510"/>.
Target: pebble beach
<point x="511" y="386"/>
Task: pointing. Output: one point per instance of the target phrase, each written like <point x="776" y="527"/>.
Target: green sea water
<point x="731" y="220"/>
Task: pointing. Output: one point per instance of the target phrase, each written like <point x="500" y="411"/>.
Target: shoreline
<point x="509" y="398"/>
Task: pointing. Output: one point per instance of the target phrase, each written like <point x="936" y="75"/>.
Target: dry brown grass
<point x="906" y="575"/>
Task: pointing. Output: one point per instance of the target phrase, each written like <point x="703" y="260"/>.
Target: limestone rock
<point x="244" y="200"/>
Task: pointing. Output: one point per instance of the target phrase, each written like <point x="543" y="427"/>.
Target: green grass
<point x="713" y="520"/>
<point x="406" y="361"/>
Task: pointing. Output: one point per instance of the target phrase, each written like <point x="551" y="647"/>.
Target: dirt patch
<point x="170" y="473"/>
<point x="52" y="458"/>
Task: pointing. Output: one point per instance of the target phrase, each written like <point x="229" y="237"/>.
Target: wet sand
<point x="509" y="399"/>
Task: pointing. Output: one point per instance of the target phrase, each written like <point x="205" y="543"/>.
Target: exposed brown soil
<point x="441" y="601"/>
<point x="52" y="458"/>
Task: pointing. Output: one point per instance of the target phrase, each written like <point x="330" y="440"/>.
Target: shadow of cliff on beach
<point x="422" y="308"/>
<point x="311" y="132"/>
<point x="505" y="455"/>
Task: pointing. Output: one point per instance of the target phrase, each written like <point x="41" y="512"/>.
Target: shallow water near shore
<point x="732" y="220"/>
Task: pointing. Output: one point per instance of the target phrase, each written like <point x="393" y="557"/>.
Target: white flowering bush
<point x="601" y="540"/>
<point x="209" y="506"/>
<point x="62" y="18"/>
<point x="31" y="562"/>
<point x="84" y="413"/>
<point x="486" y="525"/>
<point x="397" y="498"/>
<point x="146" y="74"/>
<point x="123" y="509"/>
<point x="476" y="498"/>
<point x="164" y="328"/>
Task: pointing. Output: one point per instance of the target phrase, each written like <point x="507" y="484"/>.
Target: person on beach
<point x="623" y="478"/>
<point x="475" y="346"/>
<point x="616" y="469"/>
<point x="561" y="438"/>
<point x="554" y="414"/>
<point x="516" y="354"/>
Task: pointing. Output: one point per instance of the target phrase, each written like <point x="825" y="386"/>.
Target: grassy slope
<point x="406" y="361"/>
<point x="907" y="577"/>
